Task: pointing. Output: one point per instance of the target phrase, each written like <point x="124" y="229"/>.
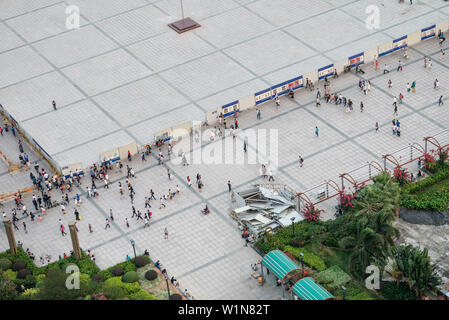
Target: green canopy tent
<point x="308" y="289"/>
<point x="280" y="264"/>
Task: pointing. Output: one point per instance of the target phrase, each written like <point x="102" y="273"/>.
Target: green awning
<point x="308" y="289"/>
<point x="279" y="263"/>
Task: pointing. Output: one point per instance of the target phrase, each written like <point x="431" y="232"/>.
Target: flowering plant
<point x="310" y="213"/>
<point x="401" y="176"/>
<point x="429" y="161"/>
<point x="345" y="199"/>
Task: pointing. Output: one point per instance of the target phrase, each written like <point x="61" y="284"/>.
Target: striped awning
<point x="308" y="289"/>
<point x="279" y="263"/>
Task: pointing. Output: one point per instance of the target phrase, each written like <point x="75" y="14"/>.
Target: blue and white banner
<point x="230" y="108"/>
<point x="325" y="71"/>
<point x="399" y="43"/>
<point x="357" y="59"/>
<point x="262" y="96"/>
<point x="428" y="32"/>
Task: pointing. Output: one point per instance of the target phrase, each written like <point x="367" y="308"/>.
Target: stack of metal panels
<point x="262" y="209"/>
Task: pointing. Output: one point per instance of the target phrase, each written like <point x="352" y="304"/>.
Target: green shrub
<point x="7" y="288"/>
<point x="361" y="296"/>
<point x="333" y="277"/>
<point x="30" y="294"/>
<point x="114" y="292"/>
<point x="141" y="261"/>
<point x="30" y="281"/>
<point x="18" y="265"/>
<point x="175" y="296"/>
<point x="141" y="295"/>
<point x="150" y="275"/>
<point x="330" y="241"/>
<point x="417" y="186"/>
<point x="130" y="277"/>
<point x="23" y="273"/>
<point x="129" y="288"/>
<point x="309" y="258"/>
<point x="40" y="277"/>
<point x="52" y="272"/>
<point x="11" y="275"/>
<point x="5" y="264"/>
<point x="347" y="242"/>
<point x="389" y="290"/>
<point x="431" y="201"/>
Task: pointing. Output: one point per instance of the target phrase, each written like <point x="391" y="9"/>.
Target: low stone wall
<point x="436" y="218"/>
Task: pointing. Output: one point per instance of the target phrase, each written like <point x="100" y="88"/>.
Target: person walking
<point x="63" y="233"/>
<point x="316" y="131"/>
<point x="414" y="86"/>
<point x="258" y="114"/>
<point x="77" y="215"/>
<point x="399" y="66"/>
<point x="270" y="175"/>
<point x="318" y="102"/>
<point x="301" y="161"/>
<point x="54" y="104"/>
<point x="162" y="204"/>
<point x="386" y="69"/>
<point x="110" y="215"/>
<point x="165" y="233"/>
<point x="108" y="225"/>
<point x="229" y="186"/>
<point x="440" y="101"/>
<point x="127" y="222"/>
<point x="377" y="126"/>
<point x="361" y="106"/>
<point x="25" y="227"/>
<point x="146" y="223"/>
<point x="90" y="228"/>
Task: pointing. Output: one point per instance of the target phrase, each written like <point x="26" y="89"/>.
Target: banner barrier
<point x="357" y="59"/>
<point x="262" y="96"/>
<point x="72" y="168"/>
<point x="325" y="71"/>
<point x="399" y="43"/>
<point x="429" y="32"/>
<point x="110" y="156"/>
<point x="230" y="108"/>
<point x="385" y="49"/>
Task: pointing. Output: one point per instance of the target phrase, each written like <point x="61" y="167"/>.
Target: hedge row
<point x="309" y="258"/>
<point x="417" y="186"/>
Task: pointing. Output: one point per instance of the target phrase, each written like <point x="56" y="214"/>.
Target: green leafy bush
<point x="7" y="288"/>
<point x="141" y="261"/>
<point x="30" y="294"/>
<point x="114" y="292"/>
<point x="330" y="241"/>
<point x="141" y="295"/>
<point x="18" y="265"/>
<point x="150" y="275"/>
<point x="130" y="277"/>
<point x="347" y="242"/>
<point x="431" y="201"/>
<point x="5" y="264"/>
<point x="11" y="275"/>
<point x="361" y="296"/>
<point x="333" y="277"/>
<point x="30" y="281"/>
<point x="309" y="258"/>
<point x="389" y="290"/>
<point x="417" y="186"/>
<point x="129" y="288"/>
<point x="23" y="273"/>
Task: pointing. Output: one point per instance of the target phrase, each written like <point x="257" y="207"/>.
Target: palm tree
<point x="369" y="247"/>
<point x="416" y="267"/>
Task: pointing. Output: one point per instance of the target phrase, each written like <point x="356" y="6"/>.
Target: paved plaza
<point x="124" y="54"/>
<point x="205" y="253"/>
